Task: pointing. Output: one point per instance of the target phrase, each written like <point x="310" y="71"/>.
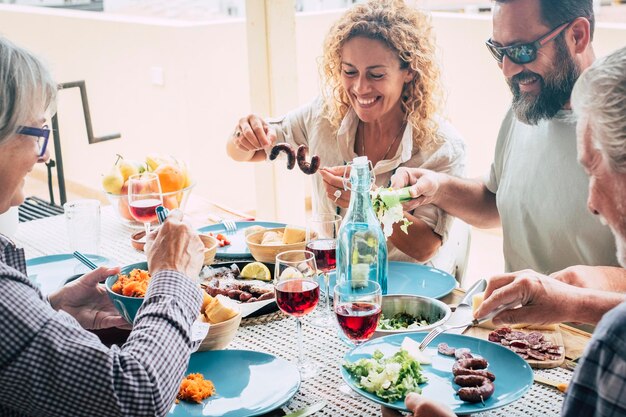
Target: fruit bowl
<point x="171" y="200"/>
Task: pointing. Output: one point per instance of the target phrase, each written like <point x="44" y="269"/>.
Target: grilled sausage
<point x="471" y="363"/>
<point x="306" y="167"/>
<point x="288" y="149"/>
<point x="266" y="296"/>
<point x="244" y="296"/>
<point x="462" y="353"/>
<point x="234" y="294"/>
<point x="444" y="349"/>
<point x="475" y="388"/>
<point x="456" y="371"/>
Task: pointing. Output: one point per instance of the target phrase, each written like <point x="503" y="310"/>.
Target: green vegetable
<point x="401" y="321"/>
<point x="390" y="379"/>
<point x="388" y="211"/>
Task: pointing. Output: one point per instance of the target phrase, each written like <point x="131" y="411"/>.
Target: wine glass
<point x="322" y="231"/>
<point x="297" y="293"/>
<point x="357" y="306"/>
<point x="144" y="196"/>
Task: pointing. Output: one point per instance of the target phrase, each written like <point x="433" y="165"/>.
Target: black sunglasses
<point x="523" y="53"/>
<point x="42" y="134"/>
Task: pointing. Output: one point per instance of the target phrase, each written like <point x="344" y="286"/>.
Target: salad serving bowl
<point x="432" y="310"/>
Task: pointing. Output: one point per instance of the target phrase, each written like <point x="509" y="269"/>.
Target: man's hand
<point x="543" y="300"/>
<point x="424" y="185"/>
<point x="606" y="278"/>
<point x="88" y="302"/>
<point x="421" y="407"/>
<point x="175" y="246"/>
<point x="333" y="182"/>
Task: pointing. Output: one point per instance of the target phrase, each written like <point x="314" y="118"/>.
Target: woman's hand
<point x="88" y="302"/>
<point x="420" y="407"/>
<point x="253" y="134"/>
<point x="333" y="183"/>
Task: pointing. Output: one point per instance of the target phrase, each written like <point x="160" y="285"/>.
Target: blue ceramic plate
<point x="513" y="375"/>
<point x="237" y="247"/>
<point x="246" y="383"/>
<point x="53" y="271"/>
<point x="413" y="279"/>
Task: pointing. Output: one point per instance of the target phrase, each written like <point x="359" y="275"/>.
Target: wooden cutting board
<point x="551" y="336"/>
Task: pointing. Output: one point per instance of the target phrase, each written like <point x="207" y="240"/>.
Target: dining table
<point x="274" y="333"/>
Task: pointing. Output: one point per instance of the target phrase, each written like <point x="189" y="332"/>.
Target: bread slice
<point x="293" y="234"/>
<point x="477" y="300"/>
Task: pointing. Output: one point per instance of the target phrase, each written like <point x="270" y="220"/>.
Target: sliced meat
<point x="518" y="343"/>
<point x="535" y="354"/>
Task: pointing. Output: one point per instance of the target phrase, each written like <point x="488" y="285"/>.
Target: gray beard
<point x="556" y="89"/>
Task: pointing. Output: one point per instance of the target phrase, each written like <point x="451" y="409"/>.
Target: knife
<point x="561" y="386"/>
<point x="463" y="312"/>
<point x="307" y="411"/>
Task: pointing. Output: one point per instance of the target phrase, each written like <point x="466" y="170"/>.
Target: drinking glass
<point x="144" y="196"/>
<point x="297" y="293"/>
<point x="321" y="236"/>
<point x="357" y="306"/>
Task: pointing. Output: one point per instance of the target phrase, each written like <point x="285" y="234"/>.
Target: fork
<point x="230" y="225"/>
<point x="444" y="328"/>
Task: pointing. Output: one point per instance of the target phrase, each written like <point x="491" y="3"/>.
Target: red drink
<point x="297" y="296"/>
<point x="325" y="253"/>
<point x="358" y="320"/>
<point x="144" y="210"/>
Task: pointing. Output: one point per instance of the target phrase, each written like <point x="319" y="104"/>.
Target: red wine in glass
<point x="358" y="320"/>
<point x="325" y="253"/>
<point x="297" y="297"/>
<point x="144" y="210"/>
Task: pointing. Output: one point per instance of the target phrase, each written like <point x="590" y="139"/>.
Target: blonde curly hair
<point x="404" y="30"/>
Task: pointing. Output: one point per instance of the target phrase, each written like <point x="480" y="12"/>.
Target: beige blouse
<point x="307" y="126"/>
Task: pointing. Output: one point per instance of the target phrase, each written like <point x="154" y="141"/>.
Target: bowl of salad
<point x="410" y="313"/>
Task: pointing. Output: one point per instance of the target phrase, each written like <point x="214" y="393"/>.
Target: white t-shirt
<point x="541" y="193"/>
<point x="336" y="147"/>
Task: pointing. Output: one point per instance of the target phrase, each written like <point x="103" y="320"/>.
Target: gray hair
<point x="26" y="88"/>
<point x="600" y="95"/>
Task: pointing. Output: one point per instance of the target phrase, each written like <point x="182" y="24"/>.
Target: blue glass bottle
<point x="361" y="245"/>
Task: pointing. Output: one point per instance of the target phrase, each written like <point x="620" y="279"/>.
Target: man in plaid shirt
<point x="49" y="364"/>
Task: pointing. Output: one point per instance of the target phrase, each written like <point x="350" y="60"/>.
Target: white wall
<point x="207" y="89"/>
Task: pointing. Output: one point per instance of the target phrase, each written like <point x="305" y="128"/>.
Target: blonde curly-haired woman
<point x="381" y="100"/>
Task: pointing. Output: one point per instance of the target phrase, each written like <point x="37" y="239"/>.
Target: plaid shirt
<point x="599" y="384"/>
<point x="51" y="366"/>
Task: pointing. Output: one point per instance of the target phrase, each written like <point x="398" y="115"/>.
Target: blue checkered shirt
<point x="51" y="366"/>
<point x="599" y="384"/>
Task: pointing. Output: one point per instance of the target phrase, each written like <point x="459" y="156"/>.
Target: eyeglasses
<point x="42" y="135"/>
<point x="523" y="53"/>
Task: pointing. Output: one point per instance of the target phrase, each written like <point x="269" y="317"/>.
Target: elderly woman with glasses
<point x="49" y="364"/>
<point x="380" y="100"/>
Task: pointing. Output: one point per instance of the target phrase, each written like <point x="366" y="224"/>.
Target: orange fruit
<point x="170" y="202"/>
<point x="171" y="177"/>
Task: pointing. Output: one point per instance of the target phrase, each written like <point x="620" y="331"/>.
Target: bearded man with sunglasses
<point x="536" y="189"/>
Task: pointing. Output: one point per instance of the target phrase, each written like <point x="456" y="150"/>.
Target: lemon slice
<point x="290" y="273"/>
<point x="256" y="270"/>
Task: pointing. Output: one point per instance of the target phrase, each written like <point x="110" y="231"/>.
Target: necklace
<point x="390" y="145"/>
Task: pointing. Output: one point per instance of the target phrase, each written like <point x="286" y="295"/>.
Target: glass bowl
<point x="172" y="200"/>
